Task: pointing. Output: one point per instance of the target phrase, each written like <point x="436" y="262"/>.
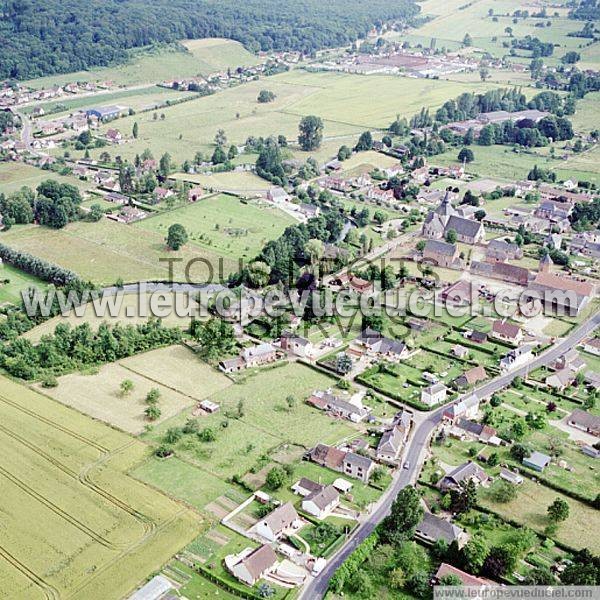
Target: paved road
<point x="415" y="453"/>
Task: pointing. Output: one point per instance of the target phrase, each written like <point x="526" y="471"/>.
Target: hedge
<point x="414" y="403"/>
<point x="353" y="562"/>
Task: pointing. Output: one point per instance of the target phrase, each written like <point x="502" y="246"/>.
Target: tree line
<point x="69" y="348"/>
<point x="60" y="36"/>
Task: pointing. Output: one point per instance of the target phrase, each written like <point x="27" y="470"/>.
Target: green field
<point x="266" y="424"/>
<point x="345" y="102"/>
<point x="181" y="378"/>
<point x="15" y="175"/>
<point x="244" y="183"/>
<point x="13" y="282"/>
<point x="104" y="251"/>
<point x="201" y="57"/>
<point x="224" y="225"/>
<point x="75" y="523"/>
<point x="453" y="19"/>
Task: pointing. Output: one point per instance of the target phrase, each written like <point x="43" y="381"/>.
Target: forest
<point x="60" y="36"/>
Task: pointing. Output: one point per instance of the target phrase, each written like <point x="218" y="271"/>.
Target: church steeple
<point x="545" y="263"/>
<point x="445" y="209"/>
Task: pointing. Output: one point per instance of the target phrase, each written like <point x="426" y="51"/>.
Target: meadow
<point x="180" y="377"/>
<point x="243" y="183"/>
<point x="192" y="58"/>
<point x="224" y="225"/>
<point x="15" y="175"/>
<point x="266" y="422"/>
<point x="76" y="523"/>
<point x="13" y="282"/>
<point x="104" y="251"/>
<point x="343" y="101"/>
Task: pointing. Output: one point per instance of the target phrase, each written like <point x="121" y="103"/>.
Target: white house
<point x="321" y="503"/>
<point x="390" y="445"/>
<point x="516" y="358"/>
<point x="250" y="565"/>
<point x="283" y="520"/>
<point x="592" y="346"/>
<point x="434" y="394"/>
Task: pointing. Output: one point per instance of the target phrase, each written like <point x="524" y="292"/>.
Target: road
<point x="425" y="424"/>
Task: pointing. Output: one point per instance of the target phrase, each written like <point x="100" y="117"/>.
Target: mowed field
<point x="75" y="524"/>
<point x="345" y="102"/>
<point x="181" y="378"/>
<point x="244" y="183"/>
<point x="15" y="175"/>
<point x="200" y="57"/>
<point x="13" y="282"/>
<point x="104" y="251"/>
<point x="224" y="224"/>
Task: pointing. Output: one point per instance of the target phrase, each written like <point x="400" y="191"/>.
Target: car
<point x="406" y="465"/>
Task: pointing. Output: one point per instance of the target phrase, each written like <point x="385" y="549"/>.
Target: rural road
<point x="426" y="422"/>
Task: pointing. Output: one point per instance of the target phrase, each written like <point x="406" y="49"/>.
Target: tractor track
<point x="54" y="424"/>
<point x="50" y="592"/>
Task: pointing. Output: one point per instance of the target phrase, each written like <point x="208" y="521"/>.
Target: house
<point x="282" y="521"/>
<point x="592" y="345"/>
<point x="114" y="136"/>
<point x="507" y="332"/>
<point x="478" y="431"/>
<point x="441" y="254"/>
<point x="390" y="444"/>
<point x="537" y="461"/>
<point x="465" y="578"/>
<point x="304" y="487"/>
<point x="295" y="344"/>
<point x="561" y="379"/>
<point x="383" y="347"/>
<point x="360" y="285"/>
<point x="209" y="406"/>
<point x="327" y="456"/>
<point x="516" y="358"/>
<point x="477" y="337"/>
<point x="194" y="194"/>
<point x="104" y="112"/>
<point x="309" y="210"/>
<point x="444" y="218"/>
<point x="357" y="466"/>
<point x="468" y="407"/>
<point x="432" y="529"/>
<point x="559" y="293"/>
<point x="584" y="421"/>
<point x="511" y="476"/>
<point x="468" y="471"/>
<point x="470" y="377"/>
<point x="569" y="360"/>
<point x="460" y="293"/>
<point x="277" y="194"/>
<point x="161" y="193"/>
<point x="128" y="214"/>
<point x="321" y="503"/>
<point x="501" y="251"/>
<point x="501" y="271"/>
<point x="434" y="394"/>
<point x="254" y="356"/>
<point x="251" y="565"/>
<point x="460" y="351"/>
<point x="353" y="411"/>
<point x="155" y="589"/>
<point x="342" y="485"/>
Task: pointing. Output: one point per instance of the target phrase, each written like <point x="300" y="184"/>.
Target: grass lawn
<point x="200" y="57"/>
<point x="224" y="225"/>
<point x="15" y="175"/>
<point x="74" y="515"/>
<point x="104" y="251"/>
<point x="266" y="424"/>
<point x="529" y="508"/>
<point x="13" y="281"/>
<point x="242" y="182"/>
<point x="200" y="587"/>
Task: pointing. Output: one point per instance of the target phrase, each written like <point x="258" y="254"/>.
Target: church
<point x="445" y="218"/>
